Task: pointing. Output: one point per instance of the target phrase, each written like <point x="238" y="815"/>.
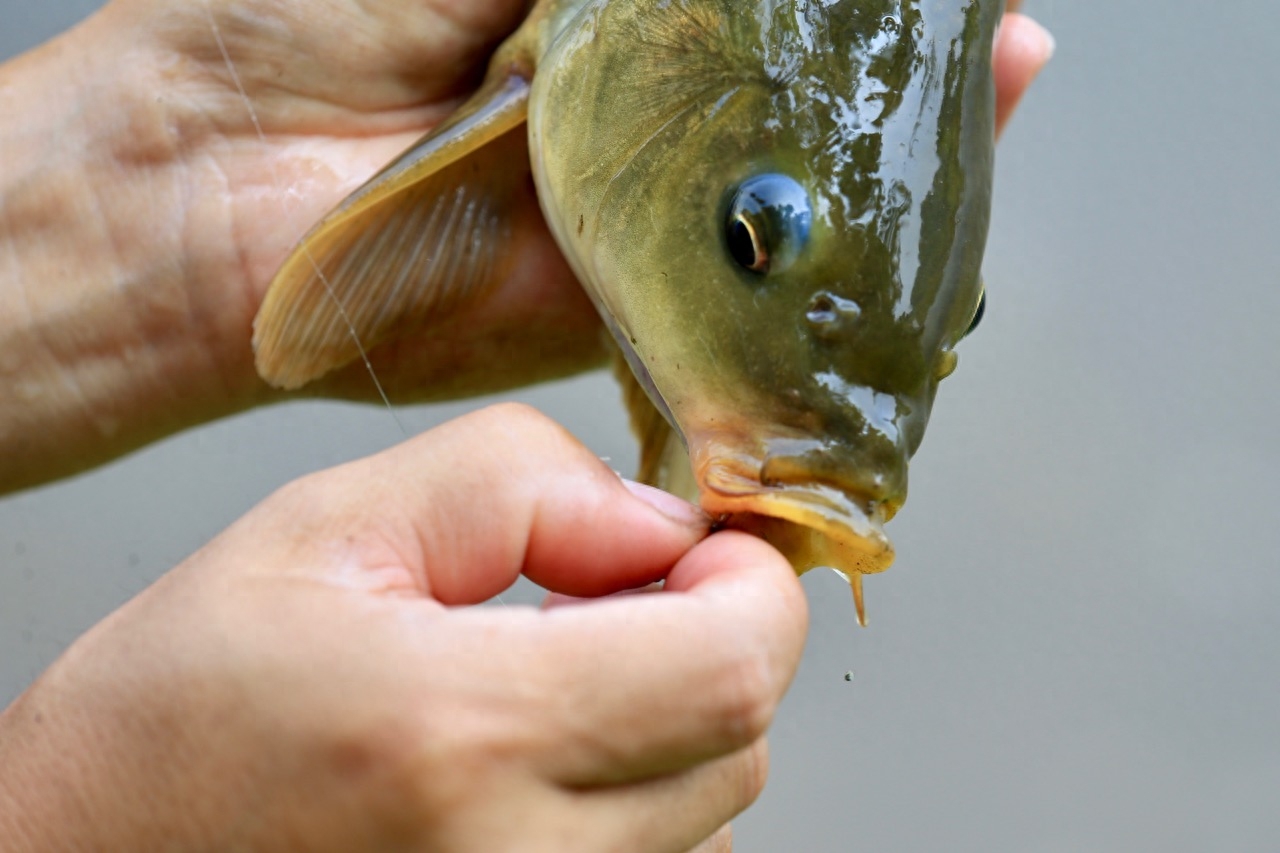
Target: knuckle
<point x="519" y="417"/>
<point x="308" y="497"/>
<point x="526" y="425"/>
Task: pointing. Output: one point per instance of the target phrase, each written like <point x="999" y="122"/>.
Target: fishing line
<point x="279" y="185"/>
<point x="306" y="250"/>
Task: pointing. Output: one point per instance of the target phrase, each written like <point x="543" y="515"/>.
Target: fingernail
<point x="674" y="508"/>
<point x="1046" y="38"/>
<point x="1050" y="42"/>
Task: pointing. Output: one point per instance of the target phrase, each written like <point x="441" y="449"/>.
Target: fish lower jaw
<point x="812" y="527"/>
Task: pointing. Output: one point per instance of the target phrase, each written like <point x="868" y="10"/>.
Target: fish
<point x="779" y="208"/>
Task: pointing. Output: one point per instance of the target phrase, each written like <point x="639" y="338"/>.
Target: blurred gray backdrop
<point x="1078" y="648"/>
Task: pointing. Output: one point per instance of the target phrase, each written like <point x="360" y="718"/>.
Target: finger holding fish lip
<point x="468" y="506"/>
<point x="648" y="709"/>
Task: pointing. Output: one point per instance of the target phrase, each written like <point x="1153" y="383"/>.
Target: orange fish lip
<point x="813" y="524"/>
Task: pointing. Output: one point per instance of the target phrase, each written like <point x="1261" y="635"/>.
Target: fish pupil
<point x="766" y="226"/>
<point x="743" y="246"/>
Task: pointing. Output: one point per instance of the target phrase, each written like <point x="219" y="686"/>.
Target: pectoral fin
<point x="422" y="237"/>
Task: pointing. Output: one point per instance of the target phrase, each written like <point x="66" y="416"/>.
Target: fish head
<point x="780" y="209"/>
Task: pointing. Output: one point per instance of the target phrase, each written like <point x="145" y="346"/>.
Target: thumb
<point x="459" y="512"/>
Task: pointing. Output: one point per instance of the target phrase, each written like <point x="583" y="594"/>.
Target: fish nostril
<point x="822" y="310"/>
<point x="828" y="312"/>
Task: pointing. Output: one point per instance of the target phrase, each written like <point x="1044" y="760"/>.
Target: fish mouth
<point x="812" y="523"/>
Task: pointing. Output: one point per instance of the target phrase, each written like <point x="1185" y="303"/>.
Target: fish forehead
<point x="840" y="94"/>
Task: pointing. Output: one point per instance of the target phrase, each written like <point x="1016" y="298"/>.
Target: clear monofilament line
<point x="275" y="178"/>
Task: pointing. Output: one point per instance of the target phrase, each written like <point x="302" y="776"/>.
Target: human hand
<point x="308" y="680"/>
<point x="142" y="214"/>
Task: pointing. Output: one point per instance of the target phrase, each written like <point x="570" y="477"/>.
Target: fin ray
<point x="418" y="239"/>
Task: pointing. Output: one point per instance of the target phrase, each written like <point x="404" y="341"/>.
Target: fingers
<point x="464" y="508"/>
<point x="682" y="813"/>
<point x="661" y="682"/>
<point x="1022" y="50"/>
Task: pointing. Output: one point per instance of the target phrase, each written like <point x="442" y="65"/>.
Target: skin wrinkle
<point x="58" y="366"/>
<point x="194" y="134"/>
<point x="192" y="239"/>
<point x="129" y="140"/>
<point x="59" y="140"/>
<point x="196" y="237"/>
<point x="145" y="293"/>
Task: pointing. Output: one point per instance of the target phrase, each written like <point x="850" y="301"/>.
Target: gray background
<point x="1078" y="648"/>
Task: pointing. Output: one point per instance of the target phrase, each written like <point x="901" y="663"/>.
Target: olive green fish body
<point x="801" y="362"/>
<point x="778" y="206"/>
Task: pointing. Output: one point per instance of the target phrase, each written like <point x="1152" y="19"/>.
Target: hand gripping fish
<point x="779" y="208"/>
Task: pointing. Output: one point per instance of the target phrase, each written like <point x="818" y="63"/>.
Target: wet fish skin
<point x="779" y="207"/>
<point x="644" y="120"/>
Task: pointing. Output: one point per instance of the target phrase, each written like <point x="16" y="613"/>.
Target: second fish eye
<point x="767" y="224"/>
<point x="977" y="314"/>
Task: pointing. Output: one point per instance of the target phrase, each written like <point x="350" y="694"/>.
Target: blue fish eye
<point x="767" y="225"/>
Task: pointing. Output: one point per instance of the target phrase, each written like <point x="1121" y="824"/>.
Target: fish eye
<point x="977" y="314"/>
<point x="768" y="222"/>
